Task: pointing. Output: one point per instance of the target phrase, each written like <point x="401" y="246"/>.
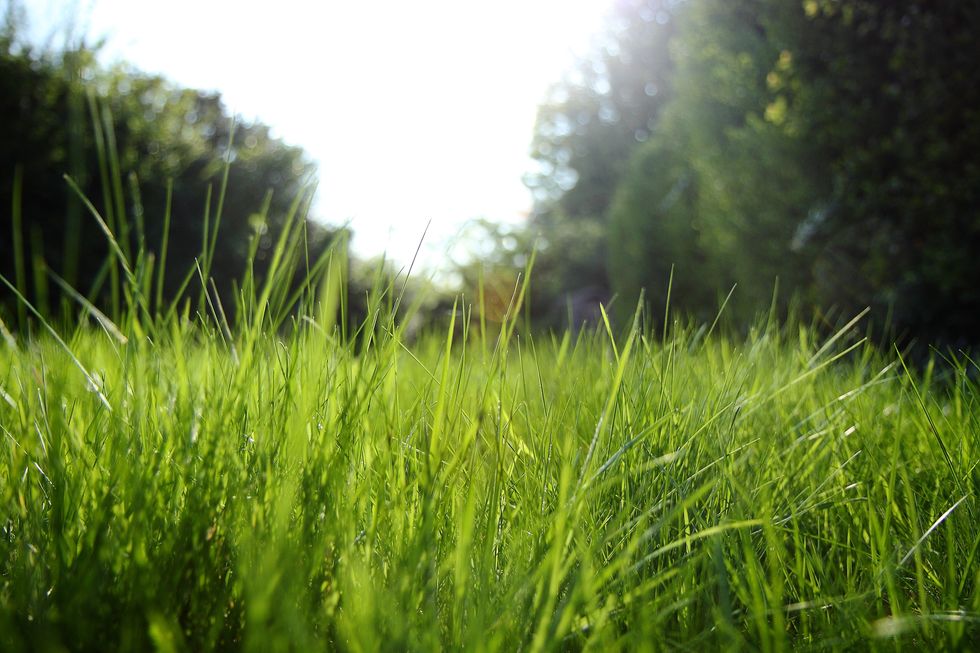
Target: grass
<point x="179" y="484"/>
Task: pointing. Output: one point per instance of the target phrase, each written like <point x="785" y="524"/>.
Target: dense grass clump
<point x="176" y="483"/>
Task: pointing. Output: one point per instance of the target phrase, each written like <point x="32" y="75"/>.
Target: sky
<point x="417" y="113"/>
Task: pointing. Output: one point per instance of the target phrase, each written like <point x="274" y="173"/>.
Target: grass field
<point x="169" y="482"/>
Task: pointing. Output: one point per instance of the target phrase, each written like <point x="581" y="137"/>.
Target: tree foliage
<point x="827" y="143"/>
<point x="589" y="126"/>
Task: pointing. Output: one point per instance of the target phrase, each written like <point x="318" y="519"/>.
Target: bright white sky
<point x="414" y="111"/>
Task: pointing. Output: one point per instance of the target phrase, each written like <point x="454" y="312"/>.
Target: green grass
<point x="180" y="484"/>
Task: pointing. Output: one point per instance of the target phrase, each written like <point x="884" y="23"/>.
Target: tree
<point x="596" y="116"/>
<point x="833" y="144"/>
<point x="654" y="233"/>
<point x="586" y="133"/>
<point x="759" y="179"/>
<point x="889" y="95"/>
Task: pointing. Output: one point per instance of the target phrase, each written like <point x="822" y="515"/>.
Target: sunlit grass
<point x="182" y="484"/>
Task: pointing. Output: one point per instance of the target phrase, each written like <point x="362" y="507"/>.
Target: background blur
<point x="827" y="144"/>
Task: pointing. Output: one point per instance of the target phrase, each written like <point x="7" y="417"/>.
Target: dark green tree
<point x="759" y="178"/>
<point x="834" y="147"/>
<point x="654" y="232"/>
<point x="888" y="95"/>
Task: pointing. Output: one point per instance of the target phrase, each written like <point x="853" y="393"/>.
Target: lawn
<point x="172" y="482"/>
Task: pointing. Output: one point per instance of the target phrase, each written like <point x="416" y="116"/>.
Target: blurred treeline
<point x="139" y="148"/>
<point x="830" y="144"/>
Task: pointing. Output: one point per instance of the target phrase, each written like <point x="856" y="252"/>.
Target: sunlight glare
<point x="413" y="111"/>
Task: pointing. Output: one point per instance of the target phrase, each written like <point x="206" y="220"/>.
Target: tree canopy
<point x="827" y="143"/>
